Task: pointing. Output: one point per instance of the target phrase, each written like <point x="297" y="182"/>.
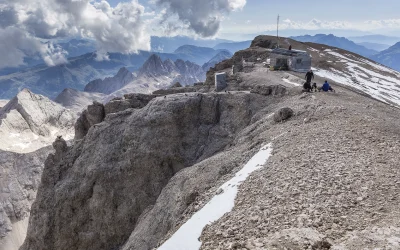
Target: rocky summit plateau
<point x="258" y="165"/>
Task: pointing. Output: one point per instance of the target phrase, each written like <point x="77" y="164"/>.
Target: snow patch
<point x="375" y="80"/>
<point x="293" y="83"/>
<point x="187" y="236"/>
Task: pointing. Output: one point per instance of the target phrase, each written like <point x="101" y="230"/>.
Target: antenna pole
<point x="277" y="30"/>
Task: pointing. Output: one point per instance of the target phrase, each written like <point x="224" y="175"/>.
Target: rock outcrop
<point x="30" y="121"/>
<point x="135" y="101"/>
<point x="94" y="114"/>
<point x="108" y="180"/>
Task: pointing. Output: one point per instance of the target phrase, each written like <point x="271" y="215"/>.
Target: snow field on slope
<point x="187" y="236"/>
<point x="385" y="88"/>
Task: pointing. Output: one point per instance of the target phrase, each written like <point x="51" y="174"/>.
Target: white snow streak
<point x="293" y="83"/>
<point x="187" y="236"/>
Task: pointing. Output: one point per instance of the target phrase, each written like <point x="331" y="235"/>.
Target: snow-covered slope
<point x="3" y="103"/>
<point x="29" y="122"/>
<point x="358" y="72"/>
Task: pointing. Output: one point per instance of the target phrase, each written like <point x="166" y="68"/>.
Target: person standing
<point x="309" y="76"/>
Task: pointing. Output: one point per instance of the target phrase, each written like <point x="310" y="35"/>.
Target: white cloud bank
<point x="25" y="24"/>
<point x="316" y="24"/>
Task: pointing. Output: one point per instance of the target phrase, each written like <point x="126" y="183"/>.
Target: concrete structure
<point x="220" y="81"/>
<point x="295" y="60"/>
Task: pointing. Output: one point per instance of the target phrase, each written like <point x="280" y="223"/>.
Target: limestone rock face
<point x="94" y="114"/>
<point x="19" y="180"/>
<point x="106" y="181"/>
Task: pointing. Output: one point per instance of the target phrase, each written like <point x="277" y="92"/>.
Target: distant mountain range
<point x="380" y="39"/>
<point x="389" y="57"/>
<point x="339" y="42"/>
<point x="50" y="81"/>
<point x="170" y="44"/>
<point x="233" y="47"/>
<point x="374" y="46"/>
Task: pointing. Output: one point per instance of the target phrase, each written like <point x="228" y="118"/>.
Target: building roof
<point x="287" y="52"/>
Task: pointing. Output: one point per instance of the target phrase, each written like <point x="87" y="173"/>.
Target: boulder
<point x="275" y="90"/>
<point x="283" y="114"/>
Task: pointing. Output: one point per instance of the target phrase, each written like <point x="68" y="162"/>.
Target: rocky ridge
<point x="140" y="173"/>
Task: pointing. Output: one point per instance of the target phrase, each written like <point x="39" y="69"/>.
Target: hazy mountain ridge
<point x="339" y="42"/>
<point x="50" y="81"/>
<point x="389" y="57"/>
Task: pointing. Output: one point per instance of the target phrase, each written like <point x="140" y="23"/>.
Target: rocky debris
<point x="274" y="90"/>
<point x="135" y="101"/>
<point x="293" y="238"/>
<point x="106" y="181"/>
<point x="94" y="114"/>
<point x="335" y="175"/>
<point x="371" y="238"/>
<point x="30" y="121"/>
<point x="283" y="114"/>
<point x="20" y="176"/>
<point x="111" y="84"/>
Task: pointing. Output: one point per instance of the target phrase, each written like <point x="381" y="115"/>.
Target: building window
<point x="298" y="61"/>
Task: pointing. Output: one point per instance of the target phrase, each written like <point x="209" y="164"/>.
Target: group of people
<point x="311" y="88"/>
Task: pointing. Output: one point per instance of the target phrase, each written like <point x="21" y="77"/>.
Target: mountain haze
<point x="339" y="42"/>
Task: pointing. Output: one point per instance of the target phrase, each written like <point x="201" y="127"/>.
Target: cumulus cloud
<point x="202" y="17"/>
<point x="29" y="26"/>
<point x="118" y="29"/>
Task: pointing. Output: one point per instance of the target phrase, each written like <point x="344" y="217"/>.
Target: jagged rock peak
<point x="122" y="72"/>
<point x="155" y="66"/>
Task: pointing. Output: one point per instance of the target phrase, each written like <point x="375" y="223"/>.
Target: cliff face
<point x="19" y="180"/>
<point x="106" y="181"/>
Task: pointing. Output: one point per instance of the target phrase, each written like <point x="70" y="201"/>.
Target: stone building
<point x="295" y="60"/>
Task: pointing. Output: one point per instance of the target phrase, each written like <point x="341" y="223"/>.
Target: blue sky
<point x="127" y="28"/>
<point x="260" y="15"/>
